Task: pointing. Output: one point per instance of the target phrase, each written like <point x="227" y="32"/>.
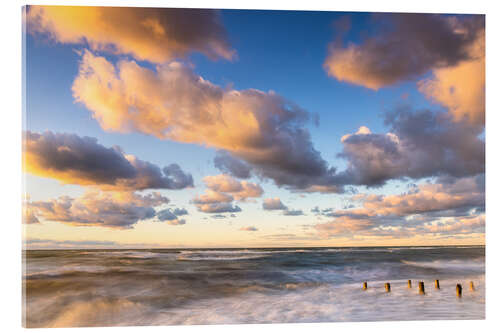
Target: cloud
<point x="171" y="217"/>
<point x="461" y="89"/>
<point x="222" y="190"/>
<point x="276" y="204"/>
<point x="153" y="34"/>
<point x="418" y="145"/>
<point x="344" y="226"/>
<point x="180" y="211"/>
<point x="262" y="130"/>
<point x="403" y="47"/>
<point x="212" y="197"/>
<point x="435" y="208"/>
<point x="117" y="210"/>
<point x="249" y="229"/>
<point x="239" y="190"/>
<point x="293" y="212"/>
<point x="218" y="207"/>
<point x="72" y="159"/>
<point x="467" y="225"/>
<point x="273" y="204"/>
<point x="225" y="162"/>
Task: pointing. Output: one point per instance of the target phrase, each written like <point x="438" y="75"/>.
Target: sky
<point x="157" y="127"/>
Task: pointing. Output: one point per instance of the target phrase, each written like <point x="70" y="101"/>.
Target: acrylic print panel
<point x="189" y="166"/>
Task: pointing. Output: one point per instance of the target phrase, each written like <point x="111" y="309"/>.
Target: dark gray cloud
<point x="402" y="47"/>
<point x="172" y="216"/>
<point x="419" y="144"/>
<point x="293" y="212"/>
<point x="72" y="159"/>
<point x="180" y="211"/>
<point x="225" y="162"/>
<point x="218" y="207"/>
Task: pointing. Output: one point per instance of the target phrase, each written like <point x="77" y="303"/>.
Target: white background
<point x="10" y="161"/>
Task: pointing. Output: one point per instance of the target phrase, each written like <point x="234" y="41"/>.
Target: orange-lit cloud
<point x="154" y="34"/>
<point x="222" y="190"/>
<point x="440" y="208"/>
<point x="403" y="47"/>
<point x="407" y="46"/>
<point x="273" y="204"/>
<point x="172" y="102"/>
<point x="239" y="190"/>
<point x="117" y="210"/>
<point x="72" y="159"/>
<point x="461" y="89"/>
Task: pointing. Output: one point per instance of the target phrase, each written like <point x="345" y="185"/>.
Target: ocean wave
<point x="448" y="264"/>
<point x="220" y="257"/>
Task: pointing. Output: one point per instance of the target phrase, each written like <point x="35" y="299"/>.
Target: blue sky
<point x="280" y="51"/>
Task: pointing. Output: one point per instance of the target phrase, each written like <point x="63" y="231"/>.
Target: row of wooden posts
<point x="421" y="287"/>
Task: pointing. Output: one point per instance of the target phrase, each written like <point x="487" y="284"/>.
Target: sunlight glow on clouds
<point x="439" y="208"/>
<point x="71" y="159"/>
<point x="263" y="129"/>
<point x="119" y="210"/>
<point x="406" y="46"/>
<point x="154" y="34"/>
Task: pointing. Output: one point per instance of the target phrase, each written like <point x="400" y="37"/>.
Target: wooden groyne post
<point x="436" y="284"/>
<point x="472" y="288"/>
<point x="388" y="287"/>
<point x="421" y="288"/>
<point x="459" y="290"/>
<point x="409" y="283"/>
<point x="365" y="285"/>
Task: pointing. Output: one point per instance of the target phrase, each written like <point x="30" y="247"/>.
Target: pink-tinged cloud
<point x="72" y="159"/>
<point x="153" y="34"/>
<point x="239" y="190"/>
<point x="249" y="229"/>
<point x="440" y="208"/>
<point x="222" y="190"/>
<point x="171" y="102"/>
<point x="116" y="210"/>
<point x="273" y="204"/>
<point x="466" y="225"/>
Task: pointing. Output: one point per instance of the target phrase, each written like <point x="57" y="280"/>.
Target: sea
<point x="143" y="287"/>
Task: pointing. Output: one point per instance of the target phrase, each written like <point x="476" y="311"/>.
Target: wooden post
<point x="409" y="283"/>
<point x="436" y="284"/>
<point x="388" y="287"/>
<point x="365" y="285"/>
<point x="421" y="288"/>
<point x="472" y="286"/>
<point x="459" y="290"/>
